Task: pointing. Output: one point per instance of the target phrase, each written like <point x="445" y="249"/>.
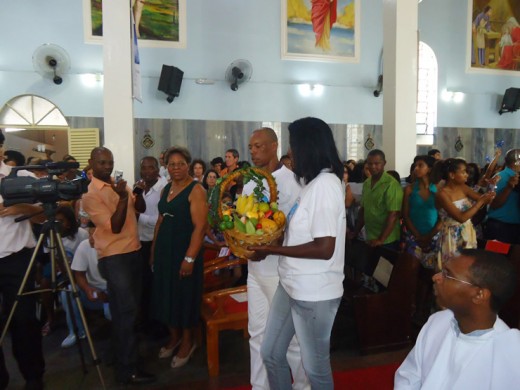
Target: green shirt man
<point x="380" y="203"/>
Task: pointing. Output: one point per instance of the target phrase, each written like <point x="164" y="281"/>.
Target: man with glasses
<point x="467" y="346"/>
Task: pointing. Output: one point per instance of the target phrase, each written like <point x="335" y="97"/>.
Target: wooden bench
<point x="219" y="310"/>
<point x="510" y="313"/>
<point x="384" y="320"/>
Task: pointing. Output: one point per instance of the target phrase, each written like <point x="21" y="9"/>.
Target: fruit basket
<point x="250" y="220"/>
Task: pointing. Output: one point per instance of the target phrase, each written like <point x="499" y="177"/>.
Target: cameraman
<point x="16" y="243"/>
<point x="112" y="207"/>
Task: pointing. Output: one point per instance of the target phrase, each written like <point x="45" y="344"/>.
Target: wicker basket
<point x="238" y="241"/>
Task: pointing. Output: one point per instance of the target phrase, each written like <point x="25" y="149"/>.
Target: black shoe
<point x="34" y="384"/>
<point x="138" y="378"/>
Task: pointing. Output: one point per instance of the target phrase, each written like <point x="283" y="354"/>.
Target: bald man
<point x="262" y="279"/>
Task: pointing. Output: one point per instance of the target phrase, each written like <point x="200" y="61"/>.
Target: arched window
<point x="426" y="117"/>
<point x="30" y="112"/>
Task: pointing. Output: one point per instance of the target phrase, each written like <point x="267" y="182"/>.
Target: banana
<point x="252" y="214"/>
<point x="249" y="205"/>
<point x="242" y="204"/>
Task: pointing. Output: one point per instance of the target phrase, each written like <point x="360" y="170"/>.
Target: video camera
<point x="25" y="189"/>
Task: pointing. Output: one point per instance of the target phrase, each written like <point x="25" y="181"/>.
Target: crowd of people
<point x="136" y="251"/>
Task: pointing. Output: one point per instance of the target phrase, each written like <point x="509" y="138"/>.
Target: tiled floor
<point x="64" y="367"/>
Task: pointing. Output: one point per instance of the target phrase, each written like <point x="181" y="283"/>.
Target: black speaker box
<point x="170" y="80"/>
<point x="511" y="100"/>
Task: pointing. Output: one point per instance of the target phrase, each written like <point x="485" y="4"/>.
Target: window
<point x="30" y="111"/>
<point x="427" y="78"/>
<point x="354" y="142"/>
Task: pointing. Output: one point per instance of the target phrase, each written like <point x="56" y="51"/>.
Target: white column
<point x="118" y="103"/>
<point x="400" y="55"/>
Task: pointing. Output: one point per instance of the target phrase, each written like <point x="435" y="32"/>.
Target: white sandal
<point x="165" y="352"/>
<point x="178" y="362"/>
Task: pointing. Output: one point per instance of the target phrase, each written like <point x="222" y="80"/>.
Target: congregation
<point x="136" y="250"/>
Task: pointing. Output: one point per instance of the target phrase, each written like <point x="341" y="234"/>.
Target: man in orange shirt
<point x="112" y="208"/>
<point x="231" y="160"/>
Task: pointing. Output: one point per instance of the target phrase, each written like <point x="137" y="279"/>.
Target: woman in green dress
<point x="176" y="261"/>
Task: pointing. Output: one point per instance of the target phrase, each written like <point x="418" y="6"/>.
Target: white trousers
<point x="260" y="293"/>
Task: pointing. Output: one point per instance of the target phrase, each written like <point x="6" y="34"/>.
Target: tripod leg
<point x="75" y="294"/>
<point x="56" y="244"/>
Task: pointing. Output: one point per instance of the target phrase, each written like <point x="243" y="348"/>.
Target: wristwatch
<point x="188" y="259"/>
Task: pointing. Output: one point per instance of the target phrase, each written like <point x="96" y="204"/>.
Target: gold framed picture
<point x="159" y="23"/>
<point x="321" y="30"/>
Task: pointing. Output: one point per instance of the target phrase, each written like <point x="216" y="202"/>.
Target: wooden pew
<point x="384" y="320"/>
<point x="510" y="313"/>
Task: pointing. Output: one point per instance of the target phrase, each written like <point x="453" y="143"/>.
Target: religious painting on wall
<point x="159" y="23"/>
<point x="493" y="36"/>
<point x="320" y="30"/>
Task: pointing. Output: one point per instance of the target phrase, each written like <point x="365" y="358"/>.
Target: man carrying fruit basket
<point x="263" y="279"/>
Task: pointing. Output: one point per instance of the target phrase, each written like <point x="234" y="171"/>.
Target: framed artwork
<point x="493" y="37"/>
<point x="159" y="23"/>
<point x="320" y="30"/>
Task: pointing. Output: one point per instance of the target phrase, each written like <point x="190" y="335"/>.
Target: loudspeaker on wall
<point x="170" y="81"/>
<point x="511" y="100"/>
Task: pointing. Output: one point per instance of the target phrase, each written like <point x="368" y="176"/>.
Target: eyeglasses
<point x="445" y="275"/>
<point x="177" y="165"/>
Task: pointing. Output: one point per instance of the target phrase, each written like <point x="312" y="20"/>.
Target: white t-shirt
<point x="163" y="171"/>
<point x="148" y="219"/>
<point x="70" y="244"/>
<point x="288" y="191"/>
<point x="14" y="236"/>
<point x="86" y="259"/>
<point x="319" y="212"/>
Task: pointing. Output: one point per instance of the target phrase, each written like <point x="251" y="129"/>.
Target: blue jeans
<point x="312" y="323"/>
<point x="90" y="305"/>
<point x="124" y="283"/>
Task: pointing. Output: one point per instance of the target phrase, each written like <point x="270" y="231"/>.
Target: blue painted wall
<point x="220" y="31"/>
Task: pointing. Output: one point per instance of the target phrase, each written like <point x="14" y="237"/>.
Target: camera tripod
<point x="50" y="231"/>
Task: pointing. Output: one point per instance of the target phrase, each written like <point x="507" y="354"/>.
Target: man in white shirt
<point x="16" y="245"/>
<point x="153" y="186"/>
<point x="262" y="279"/>
<point x="92" y="287"/>
<point x="467" y="346"/>
<point x="86" y="272"/>
<point x="163" y="170"/>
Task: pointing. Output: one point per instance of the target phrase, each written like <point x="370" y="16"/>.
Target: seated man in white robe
<point x="467" y="346"/>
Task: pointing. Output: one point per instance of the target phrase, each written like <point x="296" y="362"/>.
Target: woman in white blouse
<point x="311" y="260"/>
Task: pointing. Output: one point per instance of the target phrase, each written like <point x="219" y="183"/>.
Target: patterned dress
<point x="423" y="215"/>
<point x="175" y="301"/>
<point x="455" y="235"/>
